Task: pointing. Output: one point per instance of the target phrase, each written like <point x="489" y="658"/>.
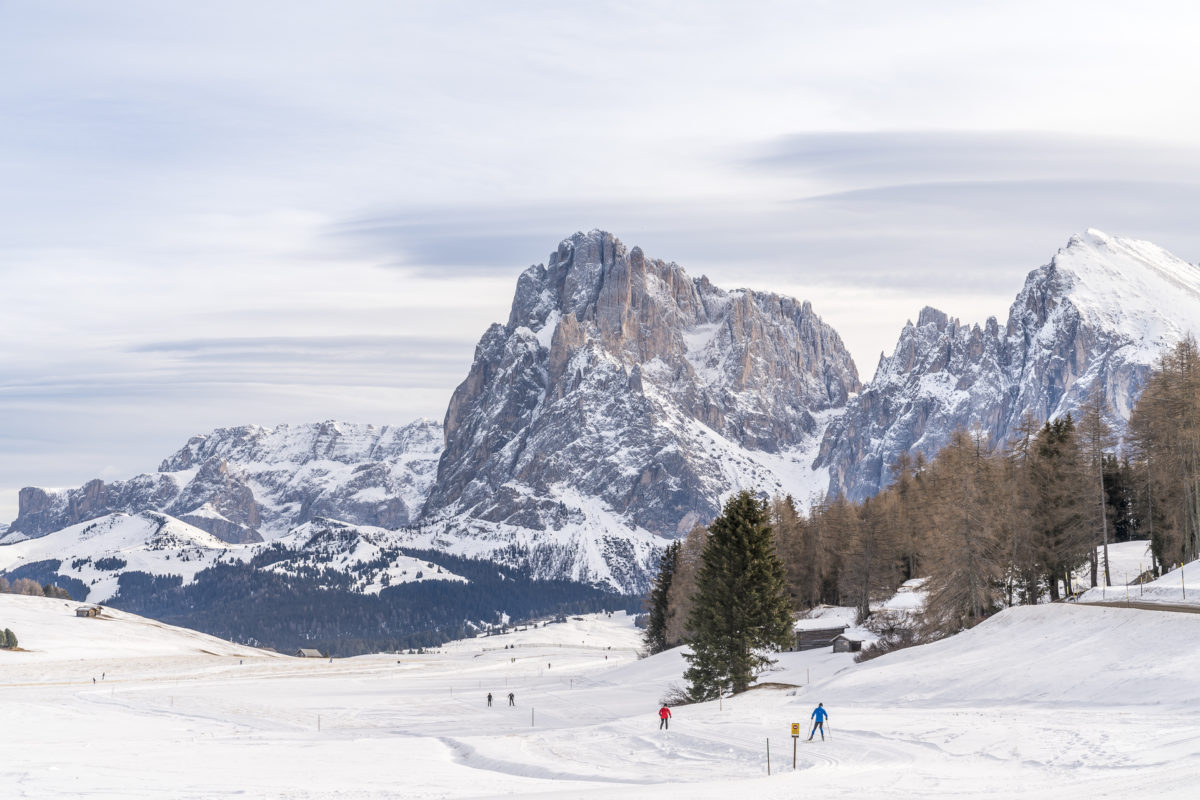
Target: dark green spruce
<point x="741" y="610"/>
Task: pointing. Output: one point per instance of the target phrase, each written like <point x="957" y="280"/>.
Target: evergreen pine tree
<point x="10" y="638"/>
<point x="656" y="626"/>
<point x="741" y="609"/>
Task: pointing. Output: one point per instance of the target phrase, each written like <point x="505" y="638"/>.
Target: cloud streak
<point x="269" y="212"/>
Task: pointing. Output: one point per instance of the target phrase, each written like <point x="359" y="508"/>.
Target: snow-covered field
<point x="1038" y="702"/>
<point x="1179" y="587"/>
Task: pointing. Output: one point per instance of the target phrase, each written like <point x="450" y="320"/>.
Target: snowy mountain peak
<point x="623" y="391"/>
<point x="1098" y="315"/>
<point x="932" y="316"/>
<point x="1147" y="293"/>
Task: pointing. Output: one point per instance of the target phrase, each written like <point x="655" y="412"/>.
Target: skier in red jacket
<point x="664" y="715"/>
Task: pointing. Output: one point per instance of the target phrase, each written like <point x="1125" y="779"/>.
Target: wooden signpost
<point x="795" y="738"/>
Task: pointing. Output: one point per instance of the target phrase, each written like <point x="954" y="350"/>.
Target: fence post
<point x="768" y="755"/>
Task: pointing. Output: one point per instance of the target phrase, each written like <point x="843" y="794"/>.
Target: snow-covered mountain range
<point x="618" y="406"/>
<point x="249" y="483"/>
<point x="90" y="557"/>
<point x="1099" y="314"/>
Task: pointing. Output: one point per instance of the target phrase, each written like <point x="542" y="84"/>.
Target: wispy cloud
<point x="275" y="211"/>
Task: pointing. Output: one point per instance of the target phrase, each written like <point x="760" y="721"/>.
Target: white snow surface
<point x="1178" y="587"/>
<point x="1037" y="702"/>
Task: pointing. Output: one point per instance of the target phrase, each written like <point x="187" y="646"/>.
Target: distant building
<point x="813" y="638"/>
<point x="844" y="644"/>
<point x="308" y="652"/>
<point x="88" y="611"/>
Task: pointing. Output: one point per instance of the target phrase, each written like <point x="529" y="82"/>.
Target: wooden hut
<point x="813" y="638"/>
<point x="844" y="644"/>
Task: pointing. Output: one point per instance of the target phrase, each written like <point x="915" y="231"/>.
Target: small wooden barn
<point x="308" y="652"/>
<point x="87" y="611"/>
<point x="813" y="638"/>
<point x="844" y="644"/>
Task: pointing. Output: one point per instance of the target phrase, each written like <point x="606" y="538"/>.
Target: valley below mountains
<point x="617" y="407"/>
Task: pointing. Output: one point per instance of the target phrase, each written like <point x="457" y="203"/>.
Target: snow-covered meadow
<point x="1036" y="702"/>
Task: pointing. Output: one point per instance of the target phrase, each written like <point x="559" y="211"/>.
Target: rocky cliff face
<point x="241" y="483"/>
<point x="621" y="386"/>
<point x="1099" y="314"/>
<point x="623" y="399"/>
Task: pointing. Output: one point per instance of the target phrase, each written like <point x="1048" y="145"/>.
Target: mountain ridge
<point x="1099" y="314"/>
<point x="623" y="400"/>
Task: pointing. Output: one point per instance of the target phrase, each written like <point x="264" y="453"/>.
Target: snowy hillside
<point x="48" y="631"/>
<point x="1038" y="702"/>
<point x="1178" y="587"/>
<point x="371" y="555"/>
<point x="97" y="552"/>
<point x="1022" y="657"/>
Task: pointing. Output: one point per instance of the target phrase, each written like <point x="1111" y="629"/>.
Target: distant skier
<point x="819" y="715"/>
<point x="511" y="700"/>
<point x="664" y="718"/>
<point x="489" y="699"/>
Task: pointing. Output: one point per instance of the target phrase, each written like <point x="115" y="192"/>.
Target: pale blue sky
<point x="228" y="213"/>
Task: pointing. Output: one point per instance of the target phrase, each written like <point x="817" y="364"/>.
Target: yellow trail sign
<point x="795" y="729"/>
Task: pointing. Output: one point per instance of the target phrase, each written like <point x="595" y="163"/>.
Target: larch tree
<point x="967" y="570"/>
<point x="1058" y="510"/>
<point x="683" y="586"/>
<point x="789" y="544"/>
<point x="822" y="539"/>
<point x="1023" y="578"/>
<point x="1094" y="436"/>
<point x="1165" y="435"/>
<point x="909" y="533"/>
<point x="741" y="611"/>
<point x="869" y="565"/>
<point x="655" y="637"/>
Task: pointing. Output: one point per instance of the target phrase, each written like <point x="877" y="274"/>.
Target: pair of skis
<point x="829" y="731"/>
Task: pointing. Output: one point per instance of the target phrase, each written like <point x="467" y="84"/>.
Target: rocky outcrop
<point x="1099" y="314"/>
<point x="237" y="483"/>
<point x="620" y="384"/>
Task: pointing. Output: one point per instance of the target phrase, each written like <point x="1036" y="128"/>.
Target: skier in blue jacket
<point x="819" y="715"/>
